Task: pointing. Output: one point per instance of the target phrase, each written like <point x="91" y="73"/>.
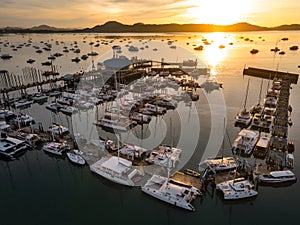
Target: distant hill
<point x="117" y="27"/>
<point x="287" y="27"/>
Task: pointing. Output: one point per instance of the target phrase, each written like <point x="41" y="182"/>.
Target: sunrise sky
<point x="88" y="13"/>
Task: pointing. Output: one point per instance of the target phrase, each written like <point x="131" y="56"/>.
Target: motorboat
<point x="65" y="101"/>
<point x="54" y="107"/>
<point x="116" y="122"/>
<point x="245" y="142"/>
<point x="140" y="118"/>
<point x="57" y="129"/>
<point x="22" y="104"/>
<point x="68" y="110"/>
<point x="277" y="177"/>
<point x="6" y="114"/>
<point x="243" y="118"/>
<point x="239" y="188"/>
<point x="262" y="146"/>
<point x="56" y="148"/>
<point x="116" y="169"/>
<point x="164" y="156"/>
<point x="155" y="109"/>
<point x="221" y="164"/>
<point x="171" y="191"/>
<point x="10" y="147"/>
<point x="75" y="158"/>
<point x="39" y="98"/>
<point x="23" y="120"/>
<point x="132" y="151"/>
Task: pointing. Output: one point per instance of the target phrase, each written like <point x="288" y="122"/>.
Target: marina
<point x="140" y="98"/>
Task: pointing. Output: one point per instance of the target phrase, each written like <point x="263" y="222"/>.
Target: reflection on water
<point x="39" y="184"/>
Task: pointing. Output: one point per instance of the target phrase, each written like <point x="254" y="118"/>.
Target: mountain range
<point x="116" y="27"/>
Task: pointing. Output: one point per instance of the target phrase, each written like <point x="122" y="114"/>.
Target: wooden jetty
<point x="270" y="74"/>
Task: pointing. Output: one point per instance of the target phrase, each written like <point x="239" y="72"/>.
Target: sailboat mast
<point x="247" y="93"/>
<point x="223" y="139"/>
<point x="261" y="84"/>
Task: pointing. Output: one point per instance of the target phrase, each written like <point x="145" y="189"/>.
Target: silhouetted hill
<point x="287" y="27"/>
<point x="117" y="27"/>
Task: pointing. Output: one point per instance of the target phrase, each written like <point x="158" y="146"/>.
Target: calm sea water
<point x="39" y="189"/>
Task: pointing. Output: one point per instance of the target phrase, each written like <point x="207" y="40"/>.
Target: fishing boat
<point x="173" y="192"/>
<point x="56" y="148"/>
<point x="245" y="142"/>
<point x="238" y="188"/>
<point x="23" y="120"/>
<point x="76" y="158"/>
<point x="277" y="177"/>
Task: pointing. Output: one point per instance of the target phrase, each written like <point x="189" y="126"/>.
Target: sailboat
<point x="116" y="169"/>
<point x="171" y="191"/>
<point x="220" y="164"/>
<point x="258" y="108"/>
<point x="238" y="188"/>
<point x="244" y="118"/>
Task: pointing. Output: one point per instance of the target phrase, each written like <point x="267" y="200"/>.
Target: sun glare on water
<point x="219" y="12"/>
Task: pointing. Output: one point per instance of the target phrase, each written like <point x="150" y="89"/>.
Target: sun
<point x="219" y="12"/>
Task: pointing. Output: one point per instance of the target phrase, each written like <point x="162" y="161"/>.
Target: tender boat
<point x="245" y="142"/>
<point x="173" y="192"/>
<point x="75" y="158"/>
<point x="56" y="148"/>
<point x="277" y="177"/>
<point x="238" y="188"/>
<point x="116" y="169"/>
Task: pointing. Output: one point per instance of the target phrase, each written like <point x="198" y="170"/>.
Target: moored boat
<point x="277" y="177"/>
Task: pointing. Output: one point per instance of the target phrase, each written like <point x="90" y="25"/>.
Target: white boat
<point x="270" y="102"/>
<point x="244" y="118"/>
<point x="58" y="129"/>
<point x="68" y="110"/>
<point x="164" y="156"/>
<point x="171" y="191"/>
<point x="10" y="147"/>
<point x="56" y="148"/>
<point x="238" y="188"/>
<point x="4" y="126"/>
<point x="262" y="146"/>
<point x="75" y="158"/>
<point x="22" y="104"/>
<point x="116" y="169"/>
<point x="65" y="101"/>
<point x="245" y="142"/>
<point x="54" y="107"/>
<point x="23" y="120"/>
<point x="277" y="177"/>
<point x="221" y="164"/>
<point x="155" y="109"/>
<point x="116" y="122"/>
<point x="140" y="118"/>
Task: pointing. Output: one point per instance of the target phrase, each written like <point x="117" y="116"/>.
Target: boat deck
<point x="187" y="179"/>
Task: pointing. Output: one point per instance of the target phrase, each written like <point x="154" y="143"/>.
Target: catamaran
<point x="238" y="188"/>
